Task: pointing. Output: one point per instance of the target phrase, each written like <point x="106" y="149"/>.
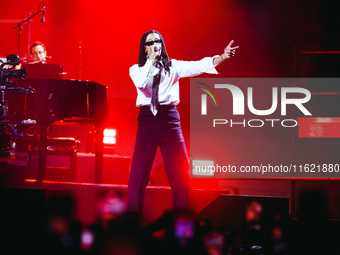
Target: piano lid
<point x="43" y="71"/>
<point x="59" y="99"/>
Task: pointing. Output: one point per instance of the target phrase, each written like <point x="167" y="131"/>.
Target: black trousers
<point x="163" y="131"/>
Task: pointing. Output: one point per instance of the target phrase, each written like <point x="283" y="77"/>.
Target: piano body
<point x="67" y="100"/>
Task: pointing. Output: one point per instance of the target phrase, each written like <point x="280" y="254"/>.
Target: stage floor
<point x="85" y="195"/>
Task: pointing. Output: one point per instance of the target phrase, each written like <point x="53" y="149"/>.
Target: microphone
<point x="43" y="15"/>
<point x="157" y="49"/>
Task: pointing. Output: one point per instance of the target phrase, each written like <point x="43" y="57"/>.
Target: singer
<point x="156" y="79"/>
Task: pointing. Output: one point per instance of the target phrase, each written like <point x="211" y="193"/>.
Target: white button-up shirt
<point x="168" y="93"/>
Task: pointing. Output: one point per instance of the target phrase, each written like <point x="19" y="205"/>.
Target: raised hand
<point x="229" y="51"/>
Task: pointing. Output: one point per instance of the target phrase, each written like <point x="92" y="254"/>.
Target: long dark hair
<point x="142" y="54"/>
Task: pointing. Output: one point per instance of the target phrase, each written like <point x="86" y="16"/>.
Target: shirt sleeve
<point x="194" y="68"/>
<point x="141" y="75"/>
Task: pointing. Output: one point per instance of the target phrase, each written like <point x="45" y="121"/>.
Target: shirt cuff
<point x="212" y="69"/>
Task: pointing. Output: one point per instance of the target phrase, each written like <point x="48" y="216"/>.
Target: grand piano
<point x="56" y="100"/>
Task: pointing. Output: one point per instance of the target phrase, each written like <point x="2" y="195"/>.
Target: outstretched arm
<point x="229" y="52"/>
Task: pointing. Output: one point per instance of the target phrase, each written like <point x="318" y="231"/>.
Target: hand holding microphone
<point x="154" y="53"/>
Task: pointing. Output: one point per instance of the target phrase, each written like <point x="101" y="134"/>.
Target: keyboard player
<point x="38" y="68"/>
<point x="38" y="53"/>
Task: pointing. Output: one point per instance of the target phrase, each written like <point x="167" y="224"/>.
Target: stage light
<point x="202" y="167"/>
<point x="109" y="141"/>
<point x="31" y="180"/>
<point x="109" y="136"/>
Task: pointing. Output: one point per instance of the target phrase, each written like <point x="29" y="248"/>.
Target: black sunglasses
<point x="152" y="42"/>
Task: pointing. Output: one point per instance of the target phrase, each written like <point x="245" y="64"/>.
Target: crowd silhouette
<point x="264" y="230"/>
